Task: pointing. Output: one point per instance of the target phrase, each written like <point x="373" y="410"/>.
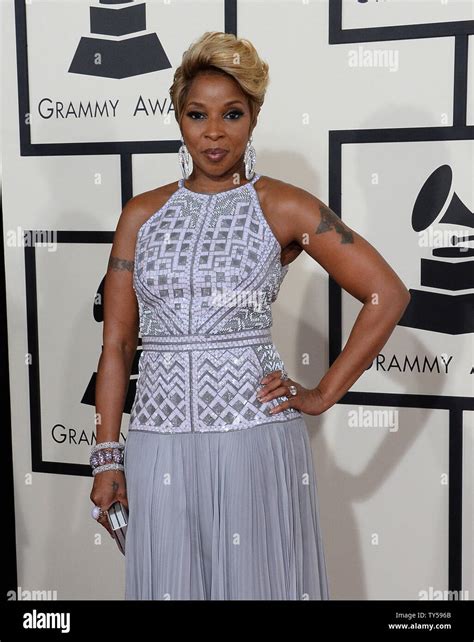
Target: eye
<point x="236" y="112"/>
<point x="192" y="113"/>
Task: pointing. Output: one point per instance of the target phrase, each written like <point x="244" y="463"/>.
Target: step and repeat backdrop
<point x="370" y="107"/>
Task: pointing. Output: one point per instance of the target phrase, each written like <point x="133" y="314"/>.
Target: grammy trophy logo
<point x="119" y="46"/>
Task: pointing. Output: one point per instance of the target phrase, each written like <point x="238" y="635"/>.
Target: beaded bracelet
<point x="112" y="458"/>
<point x="100" y="469"/>
<point x="100" y="458"/>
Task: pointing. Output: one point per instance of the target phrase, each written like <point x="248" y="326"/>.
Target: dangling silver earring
<point x="249" y="159"/>
<point x="185" y="160"/>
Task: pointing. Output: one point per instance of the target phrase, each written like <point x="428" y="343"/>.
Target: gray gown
<point x="223" y="501"/>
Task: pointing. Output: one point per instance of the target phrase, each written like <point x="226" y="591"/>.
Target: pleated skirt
<point x="223" y="516"/>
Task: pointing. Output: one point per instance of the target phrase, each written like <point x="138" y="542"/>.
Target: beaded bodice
<point x="207" y="269"/>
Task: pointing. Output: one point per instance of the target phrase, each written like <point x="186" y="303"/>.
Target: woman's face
<point x="216" y="115"/>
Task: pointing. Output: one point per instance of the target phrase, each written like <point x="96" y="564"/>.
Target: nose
<point x="213" y="129"/>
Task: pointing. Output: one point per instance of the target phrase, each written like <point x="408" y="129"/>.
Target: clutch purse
<point x="117" y="515"/>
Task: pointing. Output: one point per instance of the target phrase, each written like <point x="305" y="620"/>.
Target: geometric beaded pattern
<point x="207" y="270"/>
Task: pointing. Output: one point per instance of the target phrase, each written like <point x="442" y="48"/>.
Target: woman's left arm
<point x="360" y="270"/>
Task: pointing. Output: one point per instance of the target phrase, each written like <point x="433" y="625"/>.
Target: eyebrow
<point x="229" y="102"/>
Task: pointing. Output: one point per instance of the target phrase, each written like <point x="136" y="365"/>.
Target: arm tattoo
<point x="117" y="264"/>
<point x="115" y="486"/>
<point x="329" y="221"/>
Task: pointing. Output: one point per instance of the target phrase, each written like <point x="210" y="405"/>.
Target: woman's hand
<point x="109" y="486"/>
<point x="309" y="401"/>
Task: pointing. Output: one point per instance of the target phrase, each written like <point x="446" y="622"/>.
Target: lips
<point x="215" y="154"/>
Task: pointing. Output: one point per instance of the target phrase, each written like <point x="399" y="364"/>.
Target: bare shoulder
<point x="288" y="209"/>
<point x="277" y="190"/>
<point x="288" y="199"/>
<point x="299" y="211"/>
<point x="134" y="214"/>
<point x="140" y="207"/>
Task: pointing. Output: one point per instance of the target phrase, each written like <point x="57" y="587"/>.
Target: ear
<point x="254" y="124"/>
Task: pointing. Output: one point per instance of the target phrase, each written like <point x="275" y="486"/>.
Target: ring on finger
<point x="98" y="512"/>
<point x="292" y="389"/>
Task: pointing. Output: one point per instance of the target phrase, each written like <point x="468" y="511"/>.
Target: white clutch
<point x="117" y="515"/>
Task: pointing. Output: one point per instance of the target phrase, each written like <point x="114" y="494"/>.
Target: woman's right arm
<point x="119" y="344"/>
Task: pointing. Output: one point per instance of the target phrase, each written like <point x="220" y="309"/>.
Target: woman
<point x="218" y="476"/>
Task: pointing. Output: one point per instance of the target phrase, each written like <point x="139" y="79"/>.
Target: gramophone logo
<point x="450" y="269"/>
<point x="119" y="46"/>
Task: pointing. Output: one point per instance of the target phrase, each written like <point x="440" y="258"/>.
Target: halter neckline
<point x="182" y="186"/>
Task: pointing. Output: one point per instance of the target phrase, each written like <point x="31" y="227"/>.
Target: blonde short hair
<point x="219" y="52"/>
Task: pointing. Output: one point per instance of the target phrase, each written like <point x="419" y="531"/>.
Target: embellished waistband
<point x="164" y="343"/>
